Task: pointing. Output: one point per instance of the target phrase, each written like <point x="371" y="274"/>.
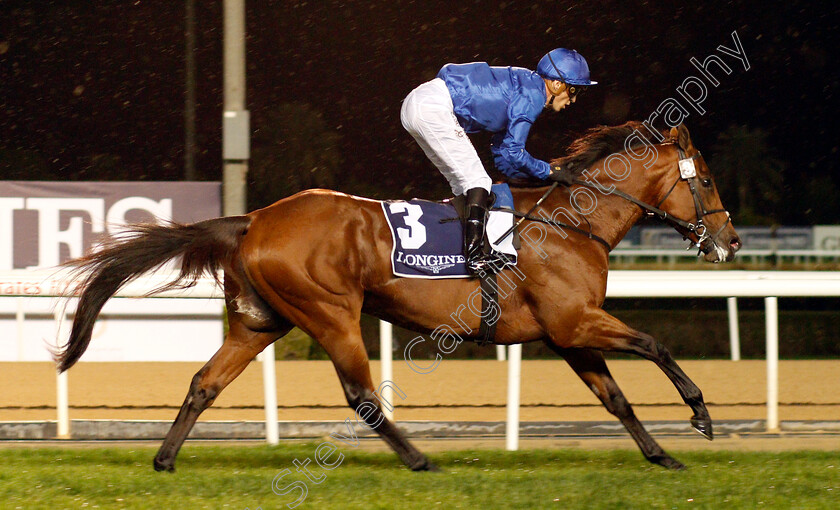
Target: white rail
<point x="25" y="284"/>
<point x="684" y="284"/>
<point x="730" y="284"/>
<point x="621" y="284"/>
<point x="673" y="254"/>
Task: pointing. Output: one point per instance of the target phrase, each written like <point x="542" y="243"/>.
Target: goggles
<point x="574" y="90"/>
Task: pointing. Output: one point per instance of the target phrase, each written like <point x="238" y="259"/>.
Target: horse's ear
<point x="680" y="133"/>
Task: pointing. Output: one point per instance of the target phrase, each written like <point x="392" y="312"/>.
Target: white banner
<point x="827" y="237"/>
<point x="43" y="224"/>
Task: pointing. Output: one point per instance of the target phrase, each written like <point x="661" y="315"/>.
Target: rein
<point x="528" y="216"/>
<point x="688" y="173"/>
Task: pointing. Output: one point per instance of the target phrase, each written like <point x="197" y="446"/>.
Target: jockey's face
<point x="560" y="99"/>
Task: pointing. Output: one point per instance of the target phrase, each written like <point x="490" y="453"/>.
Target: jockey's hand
<point x="561" y="175"/>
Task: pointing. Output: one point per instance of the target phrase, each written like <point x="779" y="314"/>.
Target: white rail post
<point x="500" y="352"/>
<point x="386" y="364"/>
<point x="62" y="400"/>
<point x="19" y="320"/>
<point x="734" y="333"/>
<point x="514" y="383"/>
<point x="272" y="431"/>
<point x="62" y="405"/>
<point x="771" y="306"/>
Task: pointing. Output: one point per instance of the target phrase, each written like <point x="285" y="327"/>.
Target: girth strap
<point x="489" y="299"/>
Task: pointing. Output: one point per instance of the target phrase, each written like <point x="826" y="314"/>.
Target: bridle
<point x="688" y="172"/>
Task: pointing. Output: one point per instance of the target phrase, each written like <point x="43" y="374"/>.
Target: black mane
<point x="598" y="143"/>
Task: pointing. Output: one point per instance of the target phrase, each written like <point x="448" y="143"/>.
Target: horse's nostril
<point x="735" y="243"/>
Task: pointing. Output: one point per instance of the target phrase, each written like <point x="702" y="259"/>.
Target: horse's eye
<point x="707" y="183"/>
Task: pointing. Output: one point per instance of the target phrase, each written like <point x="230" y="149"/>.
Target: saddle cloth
<point x="428" y="238"/>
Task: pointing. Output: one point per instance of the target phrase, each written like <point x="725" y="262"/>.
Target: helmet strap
<point x="554" y="65"/>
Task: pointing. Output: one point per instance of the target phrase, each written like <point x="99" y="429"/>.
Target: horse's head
<point x="689" y="196"/>
<point x="669" y="180"/>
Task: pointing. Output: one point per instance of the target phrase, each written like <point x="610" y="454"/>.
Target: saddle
<point x="428" y="243"/>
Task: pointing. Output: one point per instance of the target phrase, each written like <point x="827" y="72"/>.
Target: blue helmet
<point x="565" y="65"/>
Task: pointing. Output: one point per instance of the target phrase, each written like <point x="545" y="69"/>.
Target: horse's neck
<point x="611" y="216"/>
<point x="618" y="215"/>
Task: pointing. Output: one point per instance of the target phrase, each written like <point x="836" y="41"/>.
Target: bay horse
<point x="319" y="259"/>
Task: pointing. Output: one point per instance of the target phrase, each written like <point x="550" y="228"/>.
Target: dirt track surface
<point x="741" y="443"/>
<point x="455" y="390"/>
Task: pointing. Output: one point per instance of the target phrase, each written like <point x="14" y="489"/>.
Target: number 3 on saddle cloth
<point x="429" y="240"/>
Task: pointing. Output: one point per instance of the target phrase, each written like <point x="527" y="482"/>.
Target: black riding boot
<point x="476" y="215"/>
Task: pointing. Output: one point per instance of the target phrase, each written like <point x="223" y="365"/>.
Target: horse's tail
<point x="203" y="247"/>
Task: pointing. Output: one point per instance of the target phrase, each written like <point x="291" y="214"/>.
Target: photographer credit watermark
<point x="638" y="146"/>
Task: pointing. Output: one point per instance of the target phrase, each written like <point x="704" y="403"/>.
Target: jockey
<point x="467" y="98"/>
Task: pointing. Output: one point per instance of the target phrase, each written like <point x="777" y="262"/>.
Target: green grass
<point x="240" y="477"/>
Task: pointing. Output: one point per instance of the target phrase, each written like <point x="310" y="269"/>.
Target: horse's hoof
<point x="164" y="466"/>
<point x="666" y="461"/>
<point x="671" y="463"/>
<point x="425" y="466"/>
<point x="703" y="427"/>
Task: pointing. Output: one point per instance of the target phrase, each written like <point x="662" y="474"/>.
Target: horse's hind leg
<point x="240" y="346"/>
<point x="348" y="354"/>
<point x="600" y="330"/>
<point x="252" y="326"/>
<point x="592" y="369"/>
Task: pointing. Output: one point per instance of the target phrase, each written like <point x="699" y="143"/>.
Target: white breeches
<point x="429" y="116"/>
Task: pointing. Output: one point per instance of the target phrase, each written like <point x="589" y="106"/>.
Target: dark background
<point x="95" y="91"/>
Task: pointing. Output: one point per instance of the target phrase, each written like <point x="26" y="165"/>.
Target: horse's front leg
<point x="592" y="369"/>
<point x="599" y="330"/>
<point x="240" y="346"/>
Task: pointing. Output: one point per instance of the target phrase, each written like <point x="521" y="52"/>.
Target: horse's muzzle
<point x="718" y="254"/>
